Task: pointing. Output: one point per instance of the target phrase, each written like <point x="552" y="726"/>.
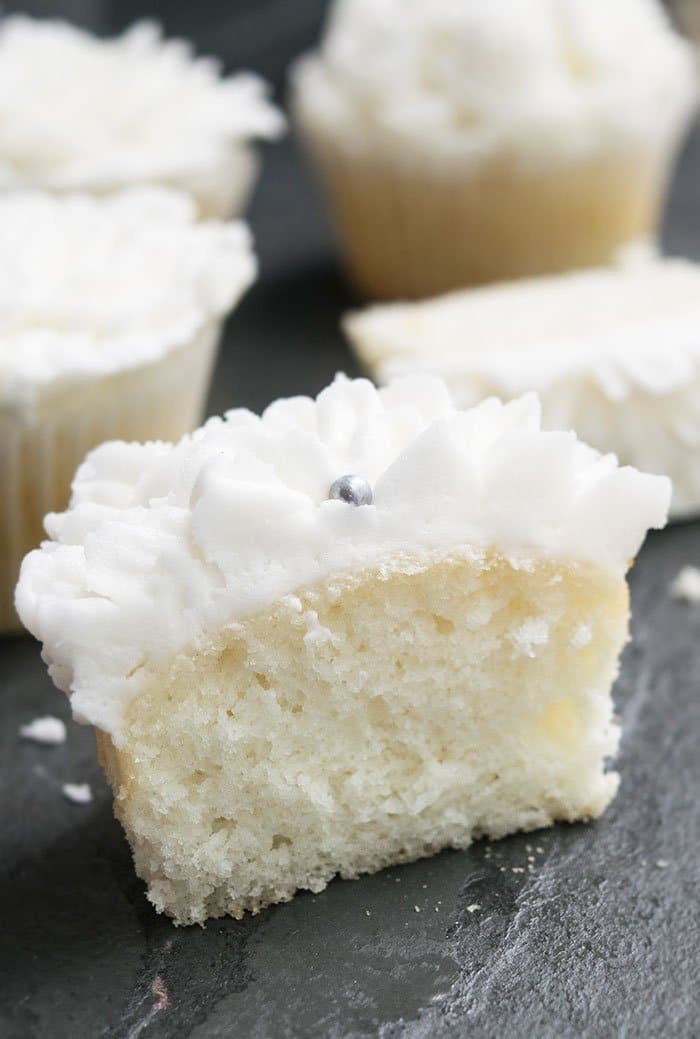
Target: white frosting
<point x="613" y="354"/>
<point x="163" y="543"/>
<point x="78" y="113"/>
<point x="456" y="76"/>
<point x="89" y="287"/>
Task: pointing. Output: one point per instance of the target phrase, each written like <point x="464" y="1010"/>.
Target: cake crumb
<point x="47" y="730"/>
<point x="661" y="863"/>
<point x="78" y="793"/>
<point x="531" y="636"/>
<point x="539" y="850"/>
<point x="582" y="636"/>
<point x="517" y="869"/>
<point x="473" y="907"/>
<point x="367" y="912"/>
<point x="686" y="585"/>
<point x="417" y="909"/>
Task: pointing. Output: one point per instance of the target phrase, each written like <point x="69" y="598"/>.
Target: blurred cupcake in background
<point x="463" y="142"/>
<point x="612" y="353"/>
<point x="82" y="114"/>
<point x="110" y="314"/>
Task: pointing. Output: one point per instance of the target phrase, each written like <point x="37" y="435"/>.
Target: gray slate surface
<point x="597" y="941"/>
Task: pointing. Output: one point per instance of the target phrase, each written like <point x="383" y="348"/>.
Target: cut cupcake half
<point x="294" y="677"/>
<point x="613" y="354"/>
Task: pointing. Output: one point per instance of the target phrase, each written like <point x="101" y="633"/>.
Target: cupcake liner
<point x="39" y="455"/>
<point x="223" y="193"/>
<point x="411" y="229"/>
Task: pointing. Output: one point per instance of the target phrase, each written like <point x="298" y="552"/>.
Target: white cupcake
<point x="110" y="313"/>
<point x="80" y="114"/>
<point x="345" y="634"/>
<point x="613" y="354"/>
<point x="463" y="142"/>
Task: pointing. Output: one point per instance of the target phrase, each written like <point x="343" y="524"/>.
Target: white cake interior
<point x="368" y="721"/>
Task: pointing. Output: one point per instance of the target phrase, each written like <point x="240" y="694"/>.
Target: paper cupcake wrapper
<point x="222" y="193"/>
<point x="38" y="458"/>
<point x="410" y="229"/>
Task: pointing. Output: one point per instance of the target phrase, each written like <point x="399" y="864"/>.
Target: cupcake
<point x="344" y="635"/>
<point x="463" y="142"/>
<point x="78" y="114"/>
<point x="110" y="312"/>
<point x="613" y="354"/>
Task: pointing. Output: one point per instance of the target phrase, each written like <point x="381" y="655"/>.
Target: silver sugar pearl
<point x="351" y="489"/>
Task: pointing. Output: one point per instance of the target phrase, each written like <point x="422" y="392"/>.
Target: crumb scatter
<point x="686" y="585"/>
<point x="78" y="793"/>
<point x="49" y="731"/>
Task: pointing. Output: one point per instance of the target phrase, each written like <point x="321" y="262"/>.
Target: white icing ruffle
<point x="458" y="77"/>
<point x="89" y="287"/>
<point x="81" y="113"/>
<point x="164" y="543"/>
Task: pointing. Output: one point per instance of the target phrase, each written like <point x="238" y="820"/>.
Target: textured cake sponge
<point x="368" y="721"/>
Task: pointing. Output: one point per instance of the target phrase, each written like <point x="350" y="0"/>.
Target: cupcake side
<point x="110" y="316"/>
<point x="134" y="110"/>
<point x="465" y="143"/>
<point x="289" y="684"/>
<point x="614" y="354"/>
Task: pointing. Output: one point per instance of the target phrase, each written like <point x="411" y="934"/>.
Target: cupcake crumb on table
<point x="288" y="685"/>
<point x="78" y="113"/>
<point x="614" y="354"/>
<point x="47" y="730"/>
<point x="462" y="142"/>
<point x="110" y="316"/>
<point x="77" y="793"/>
<point x="686" y="585"/>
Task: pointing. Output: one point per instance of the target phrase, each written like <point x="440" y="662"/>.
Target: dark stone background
<point x="598" y="940"/>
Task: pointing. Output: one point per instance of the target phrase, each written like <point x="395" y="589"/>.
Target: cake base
<point x="373" y="720"/>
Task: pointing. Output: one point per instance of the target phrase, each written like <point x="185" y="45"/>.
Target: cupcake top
<point x="163" y="544"/>
<point x="81" y="113"/>
<point x="633" y="327"/>
<point x="89" y="287"/>
<point x="457" y="76"/>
